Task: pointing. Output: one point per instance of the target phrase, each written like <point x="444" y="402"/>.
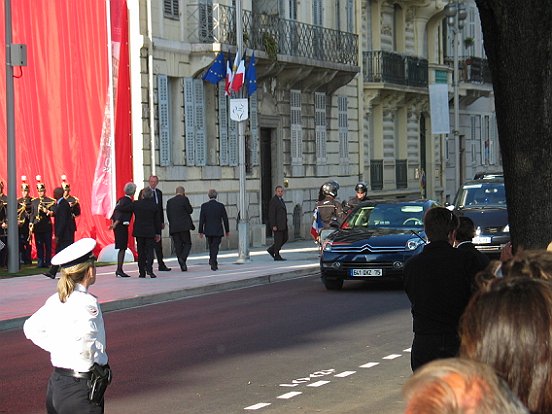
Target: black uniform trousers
<point x="182" y="245"/>
<point x="24" y="247"/>
<point x="213" y="242"/>
<point x="144" y="246"/>
<point x="43" y="241"/>
<point x="69" y="395"/>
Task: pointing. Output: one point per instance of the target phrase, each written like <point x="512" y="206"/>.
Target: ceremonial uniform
<point x="72" y="331"/>
<point x="41" y="224"/>
<point x="3" y="227"/>
<point x="24" y="211"/>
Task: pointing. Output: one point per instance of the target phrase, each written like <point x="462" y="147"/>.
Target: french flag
<point x="228" y="78"/>
<point x="239" y="75"/>
<point x="316" y="224"/>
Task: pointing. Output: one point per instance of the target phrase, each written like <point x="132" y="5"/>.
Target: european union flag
<point x="251" y="76"/>
<point x="217" y="71"/>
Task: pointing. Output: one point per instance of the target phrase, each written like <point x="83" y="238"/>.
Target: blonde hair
<point x="70" y="276"/>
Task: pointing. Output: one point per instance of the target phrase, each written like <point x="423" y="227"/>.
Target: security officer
<point x="70" y="327"/>
<point x="24" y="211"/>
<point x="330" y="211"/>
<point x="41" y="223"/>
<point x="361" y="195"/>
<point x="73" y="201"/>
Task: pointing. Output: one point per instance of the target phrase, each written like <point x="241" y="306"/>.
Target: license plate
<point x="481" y="240"/>
<point x="366" y="272"/>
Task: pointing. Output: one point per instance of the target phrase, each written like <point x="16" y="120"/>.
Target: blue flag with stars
<point x="217" y="71"/>
<point x="251" y="76"/>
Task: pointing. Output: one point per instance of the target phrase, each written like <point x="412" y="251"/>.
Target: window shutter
<point x="205" y="21"/>
<point x="163" y="120"/>
<point x="200" y="133"/>
<point x="343" y="129"/>
<point x="296" y="128"/>
<point x="189" y="120"/>
<point x="320" y="127"/>
<point x="254" y="129"/>
<point x="223" y="124"/>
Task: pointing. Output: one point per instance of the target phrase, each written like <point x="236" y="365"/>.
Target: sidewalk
<point x="22" y="296"/>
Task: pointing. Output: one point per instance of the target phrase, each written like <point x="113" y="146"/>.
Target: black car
<point x="374" y="242"/>
<point x="484" y="201"/>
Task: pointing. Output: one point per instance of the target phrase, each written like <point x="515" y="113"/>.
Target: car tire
<point x="333" y="284"/>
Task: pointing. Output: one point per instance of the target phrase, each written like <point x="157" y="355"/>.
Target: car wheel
<point x="333" y="284"/>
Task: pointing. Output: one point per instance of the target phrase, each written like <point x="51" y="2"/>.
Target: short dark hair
<point x="466" y="229"/>
<point x="439" y="222"/>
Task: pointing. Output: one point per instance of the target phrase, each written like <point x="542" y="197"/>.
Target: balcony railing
<point x="389" y="67"/>
<point x="473" y="69"/>
<point x="216" y="24"/>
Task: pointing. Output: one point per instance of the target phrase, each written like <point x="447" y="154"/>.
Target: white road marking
<point x="318" y="383"/>
<point x="289" y="395"/>
<point x="344" y="374"/>
<point x="392" y="356"/>
<point x="257" y="406"/>
<point x="289" y="385"/>
<point x="369" y="365"/>
<point x="407" y="350"/>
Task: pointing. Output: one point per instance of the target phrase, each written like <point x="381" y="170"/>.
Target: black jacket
<point x="158" y="201"/>
<point x="64" y="224"/>
<point x="178" y="214"/>
<point x="277" y="213"/>
<point x="439" y="284"/>
<point x="212" y="217"/>
<point x="146" y="218"/>
<point x="481" y="258"/>
<point x="123" y="210"/>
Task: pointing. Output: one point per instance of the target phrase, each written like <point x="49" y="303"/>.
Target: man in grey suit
<point x="179" y="212"/>
<point x="212" y="217"/>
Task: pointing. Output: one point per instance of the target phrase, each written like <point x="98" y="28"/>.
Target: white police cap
<point x="78" y="252"/>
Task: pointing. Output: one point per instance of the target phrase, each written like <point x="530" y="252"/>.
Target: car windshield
<point x="396" y="215"/>
<point x="481" y="194"/>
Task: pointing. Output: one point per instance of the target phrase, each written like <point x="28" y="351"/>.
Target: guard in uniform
<point x="41" y="224"/>
<point x="3" y="227"/>
<point x="329" y="209"/>
<point x="70" y="327"/>
<point x="71" y="199"/>
<point x="24" y="211"/>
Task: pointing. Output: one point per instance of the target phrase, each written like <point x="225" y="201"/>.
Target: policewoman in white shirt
<point x="70" y="327"/>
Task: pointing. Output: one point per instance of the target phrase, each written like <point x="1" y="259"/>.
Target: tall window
<point x="163" y="117"/>
<point x="350" y="16"/>
<point x="343" y="130"/>
<point x="320" y="127"/>
<point x="317" y="17"/>
<point x="296" y="127"/>
<point x="170" y="9"/>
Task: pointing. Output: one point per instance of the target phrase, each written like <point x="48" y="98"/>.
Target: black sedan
<point x="374" y="242"/>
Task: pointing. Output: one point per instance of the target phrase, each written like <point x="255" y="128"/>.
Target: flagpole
<point x="243" y="224"/>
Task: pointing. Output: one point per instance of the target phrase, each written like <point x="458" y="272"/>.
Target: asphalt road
<point x="289" y="347"/>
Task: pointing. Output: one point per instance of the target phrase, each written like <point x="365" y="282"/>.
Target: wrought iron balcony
<point x="216" y="24"/>
<point x="473" y="70"/>
<point x="393" y="68"/>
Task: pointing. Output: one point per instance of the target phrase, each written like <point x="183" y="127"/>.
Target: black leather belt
<point x="70" y="373"/>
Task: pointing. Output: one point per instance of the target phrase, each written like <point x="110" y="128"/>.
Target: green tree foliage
<point x="518" y="42"/>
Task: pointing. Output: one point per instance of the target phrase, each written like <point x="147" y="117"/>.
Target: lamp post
<point x="456" y="14"/>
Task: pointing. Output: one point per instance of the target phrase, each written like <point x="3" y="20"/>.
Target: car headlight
<point x="327" y="246"/>
<point x="413" y="244"/>
<point x="506" y="228"/>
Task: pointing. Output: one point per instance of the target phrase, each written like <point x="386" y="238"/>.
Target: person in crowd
<point x="179" y="216"/>
<point x="120" y="222"/>
<point x="213" y="223"/>
<point x="361" y="194"/>
<point x="329" y="210"/>
<point x="277" y="220"/>
<point x="70" y="327"/>
<point x="64" y="226"/>
<point x="41" y="224"/>
<point x="438" y="283"/>
<point x="508" y="326"/>
<point x="24" y="211"/>
<point x="3" y="227"/>
<point x="459" y="386"/>
<point x="147" y="231"/>
<point x="464" y="235"/>
<point x="158" y="198"/>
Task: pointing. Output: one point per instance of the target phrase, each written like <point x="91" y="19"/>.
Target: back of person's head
<point x="130" y="189"/>
<point x="439" y="223"/>
<point x="531" y="263"/>
<point x="459" y="386"/>
<point x="147" y="193"/>
<point x="212" y="194"/>
<point x="465" y="230"/>
<point x="180" y="190"/>
<point x="508" y="326"/>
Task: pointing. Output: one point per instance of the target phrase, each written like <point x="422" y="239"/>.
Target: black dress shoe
<point x="152" y="275"/>
<point x="143" y="276"/>
<point x="120" y="273"/>
<point x="279" y="259"/>
<point x="184" y="268"/>
<point x="214" y="267"/>
<point x="270" y="252"/>
<point x="164" y="269"/>
<point x="47" y="274"/>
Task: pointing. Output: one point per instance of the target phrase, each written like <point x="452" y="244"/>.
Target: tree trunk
<point x="518" y="43"/>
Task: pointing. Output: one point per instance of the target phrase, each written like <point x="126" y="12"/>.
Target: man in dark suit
<point x="179" y="212"/>
<point x="64" y="226"/>
<point x="438" y="283"/>
<point x="120" y="222"/>
<point x="464" y="236"/>
<point x="147" y="231"/>
<point x="213" y="223"/>
<point x="158" y="199"/>
<point x="277" y="220"/>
